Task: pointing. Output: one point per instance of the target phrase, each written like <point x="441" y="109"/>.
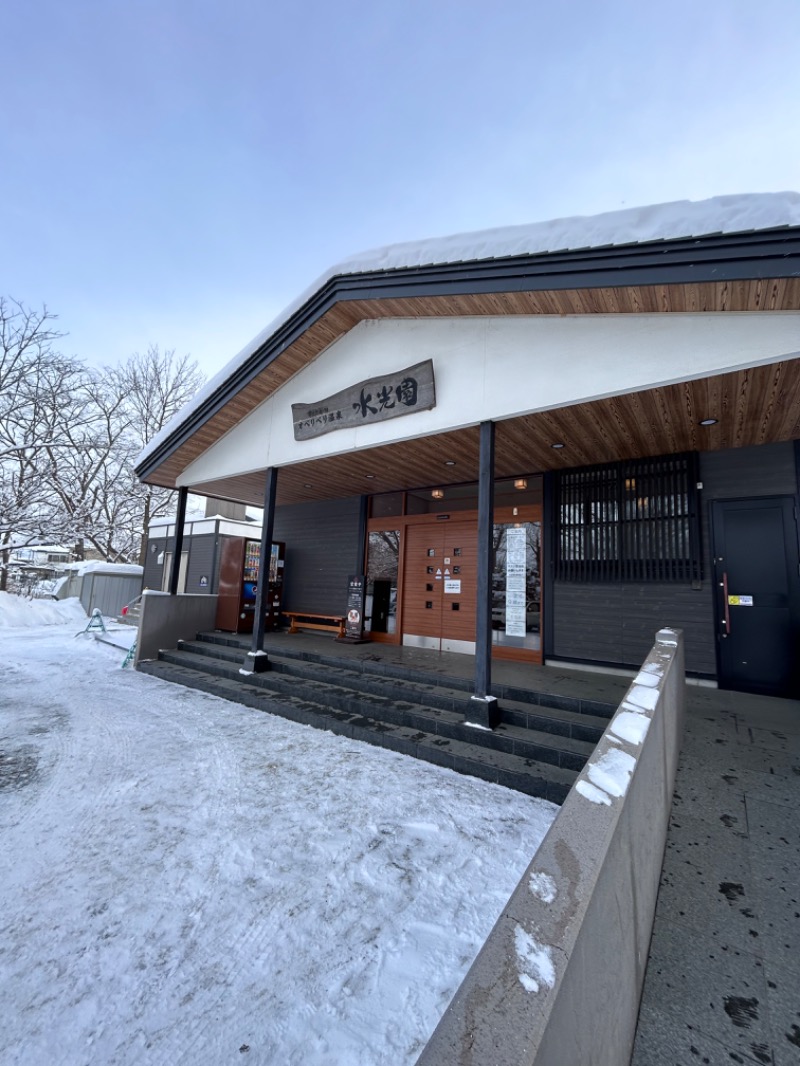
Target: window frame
<point x="633" y="520"/>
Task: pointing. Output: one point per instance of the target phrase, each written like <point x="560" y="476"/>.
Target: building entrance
<point x="422" y="569"/>
<point x="439" y="586"/>
<point x="758" y="595"/>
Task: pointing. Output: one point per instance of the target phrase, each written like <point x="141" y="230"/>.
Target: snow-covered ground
<point x="187" y="881"/>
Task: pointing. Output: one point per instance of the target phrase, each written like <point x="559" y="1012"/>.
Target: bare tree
<point x="155" y="387"/>
<point x="95" y="480"/>
<point x="69" y="438"/>
<point x="41" y="391"/>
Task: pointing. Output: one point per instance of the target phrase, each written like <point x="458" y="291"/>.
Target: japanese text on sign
<point x="377" y="400"/>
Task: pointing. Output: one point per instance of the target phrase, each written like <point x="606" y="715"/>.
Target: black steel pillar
<point x="177" y="550"/>
<point x="483" y="706"/>
<point x="257" y="659"/>
<point x="549" y="535"/>
<point x="361" y="553"/>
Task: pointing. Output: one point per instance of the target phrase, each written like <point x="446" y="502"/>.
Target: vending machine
<point x="239" y="575"/>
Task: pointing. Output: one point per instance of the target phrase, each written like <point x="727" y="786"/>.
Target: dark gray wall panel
<point x="768" y="470"/>
<point x="322" y="550"/>
<point x="616" y="623"/>
<point x="201" y="562"/>
<point x="154" y="570"/>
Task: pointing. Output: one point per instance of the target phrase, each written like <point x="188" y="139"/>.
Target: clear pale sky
<point x="176" y="171"/>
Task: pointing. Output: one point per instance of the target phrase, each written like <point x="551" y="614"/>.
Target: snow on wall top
<point x="635" y="225"/>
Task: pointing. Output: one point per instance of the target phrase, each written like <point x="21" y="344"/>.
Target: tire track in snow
<point x="219" y="794"/>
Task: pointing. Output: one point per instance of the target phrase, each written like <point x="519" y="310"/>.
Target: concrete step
<point x="378" y="667"/>
<point x="516" y="771"/>
<point x="550" y="720"/>
<point x="336" y="693"/>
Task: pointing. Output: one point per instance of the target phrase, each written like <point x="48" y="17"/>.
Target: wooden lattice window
<point x="629" y="521"/>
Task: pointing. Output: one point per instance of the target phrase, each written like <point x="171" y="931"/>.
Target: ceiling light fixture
<point x="708" y="422"/>
<point x="369" y="477"/>
<point x="521" y="483"/>
<point x="308" y="486"/>
<point x="438" y="494"/>
<point x="557" y="445"/>
<point x="449" y="462"/>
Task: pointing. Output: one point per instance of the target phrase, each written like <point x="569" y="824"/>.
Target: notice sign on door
<point x="740" y="601"/>
<point x="515" y="582"/>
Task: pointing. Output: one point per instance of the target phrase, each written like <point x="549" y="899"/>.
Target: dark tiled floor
<point x="723" y="979"/>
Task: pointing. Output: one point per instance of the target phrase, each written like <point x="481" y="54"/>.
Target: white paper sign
<point x="515" y="582"/>
<point x="453" y="585"/>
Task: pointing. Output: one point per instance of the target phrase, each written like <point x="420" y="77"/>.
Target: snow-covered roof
<point x="635" y="225"/>
<point x="169" y="520"/>
<point x="197" y="517"/>
<point x="97" y="566"/>
<point x="26" y="546"/>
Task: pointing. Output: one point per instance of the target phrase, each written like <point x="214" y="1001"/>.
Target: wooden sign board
<point x="375" y="400"/>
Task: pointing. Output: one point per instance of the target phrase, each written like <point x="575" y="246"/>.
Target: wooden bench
<point x="329" y="623"/>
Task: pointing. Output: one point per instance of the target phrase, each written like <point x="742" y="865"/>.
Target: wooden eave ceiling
<point x="612" y="426"/>
<point x="756" y="406"/>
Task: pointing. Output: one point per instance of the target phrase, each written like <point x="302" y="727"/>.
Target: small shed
<point x="105" y="586"/>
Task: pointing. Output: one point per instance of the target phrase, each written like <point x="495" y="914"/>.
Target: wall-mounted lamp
<point x="438" y="494"/>
<point x="521" y="483"/>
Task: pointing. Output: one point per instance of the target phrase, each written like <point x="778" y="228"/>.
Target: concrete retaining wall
<point x="165" y="619"/>
<point x="559" y="979"/>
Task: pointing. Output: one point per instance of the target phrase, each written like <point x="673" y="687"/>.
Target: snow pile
<point x="612" y="772"/>
<point x="183" y="878"/>
<point x="592" y="794"/>
<point x="630" y="726"/>
<point x="682" y="218"/>
<point x="18" y="612"/>
<point x="641" y="697"/>
<point x="609" y="775"/>
<point x="543" y="887"/>
<point x="535" y="961"/>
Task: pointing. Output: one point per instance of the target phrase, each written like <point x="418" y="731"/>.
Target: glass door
<point x="383" y="559"/>
<point x="517" y="588"/>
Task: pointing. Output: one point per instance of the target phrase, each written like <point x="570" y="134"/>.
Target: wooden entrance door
<point x="439" y="585"/>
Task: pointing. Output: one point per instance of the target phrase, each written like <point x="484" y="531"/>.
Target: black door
<point x="757" y="594"/>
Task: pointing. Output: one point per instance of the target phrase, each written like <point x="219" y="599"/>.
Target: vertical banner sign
<point x="354" y="622"/>
<point x="515" y="582"/>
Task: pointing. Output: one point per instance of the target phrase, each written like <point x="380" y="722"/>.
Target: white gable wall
<point x="497" y="368"/>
